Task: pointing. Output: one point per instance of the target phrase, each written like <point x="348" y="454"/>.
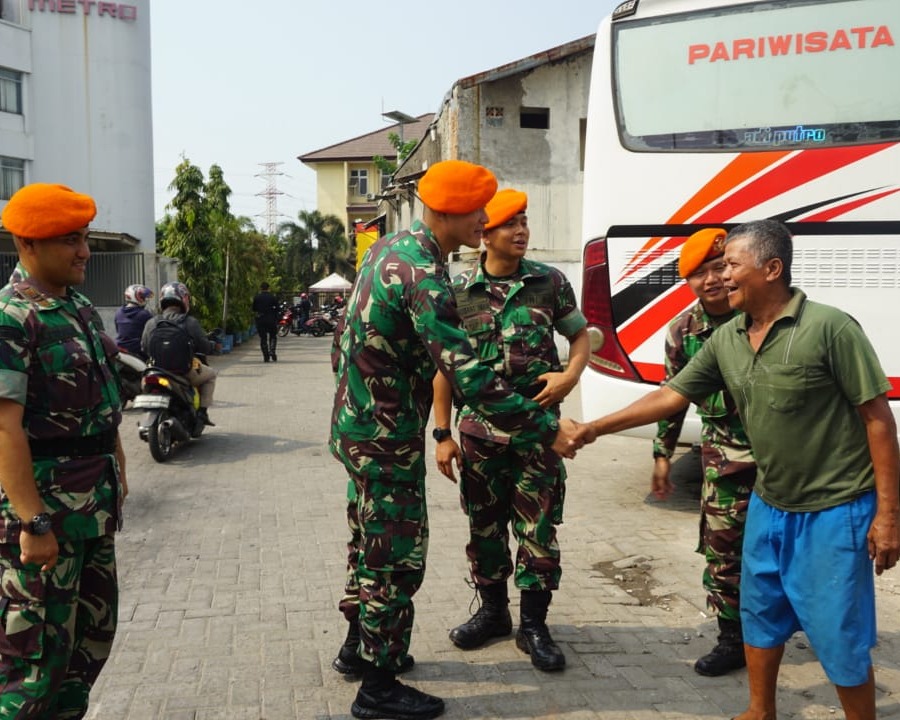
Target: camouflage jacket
<point x="724" y="445"/>
<point x="510" y="323"/>
<point x="400" y="326"/>
<point x="55" y="360"/>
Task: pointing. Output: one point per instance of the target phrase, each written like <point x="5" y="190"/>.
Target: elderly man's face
<point x="745" y="283"/>
<point x="61" y="261"/>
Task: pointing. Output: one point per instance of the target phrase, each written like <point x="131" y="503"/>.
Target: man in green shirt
<point x="812" y="397"/>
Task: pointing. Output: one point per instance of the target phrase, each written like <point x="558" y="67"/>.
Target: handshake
<point x="573" y="436"/>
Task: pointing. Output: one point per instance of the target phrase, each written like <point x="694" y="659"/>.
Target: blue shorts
<point x="811" y="571"/>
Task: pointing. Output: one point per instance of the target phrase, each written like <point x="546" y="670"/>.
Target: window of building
<point x="10" y="91"/>
<point x="536" y="118"/>
<point x="385" y="179"/>
<point x="9" y="11"/>
<point x="12" y="176"/>
<point x="359" y="182"/>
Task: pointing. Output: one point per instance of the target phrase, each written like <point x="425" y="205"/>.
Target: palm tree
<point x="314" y="247"/>
<point x="333" y="252"/>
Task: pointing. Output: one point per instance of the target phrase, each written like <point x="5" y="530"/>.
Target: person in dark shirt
<point x="131" y="318"/>
<point x="265" y="305"/>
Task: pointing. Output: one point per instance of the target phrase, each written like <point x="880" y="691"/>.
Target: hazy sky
<point x="243" y="82"/>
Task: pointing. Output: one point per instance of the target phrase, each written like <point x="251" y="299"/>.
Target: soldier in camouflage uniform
<point x="729" y="470"/>
<point x="401" y="325"/>
<point x="510" y="307"/>
<point x="62" y="470"/>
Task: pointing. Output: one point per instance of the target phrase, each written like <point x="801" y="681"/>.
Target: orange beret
<point x="702" y="246"/>
<point x="40" y="211"/>
<point x="504" y="205"/>
<point x="457" y="187"/>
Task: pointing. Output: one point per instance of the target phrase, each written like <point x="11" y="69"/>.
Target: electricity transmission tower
<point x="271" y="194"/>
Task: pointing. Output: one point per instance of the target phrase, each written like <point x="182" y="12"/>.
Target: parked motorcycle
<point x="290" y="323"/>
<point x="131" y="370"/>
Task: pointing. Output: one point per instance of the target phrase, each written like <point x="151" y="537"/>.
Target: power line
<point x="271" y="194"/>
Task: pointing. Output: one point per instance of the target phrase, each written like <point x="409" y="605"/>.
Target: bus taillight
<point x="607" y="355"/>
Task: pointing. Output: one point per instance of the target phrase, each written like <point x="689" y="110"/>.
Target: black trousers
<point x="268" y="338"/>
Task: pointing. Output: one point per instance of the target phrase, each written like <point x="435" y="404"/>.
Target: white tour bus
<point x="708" y="113"/>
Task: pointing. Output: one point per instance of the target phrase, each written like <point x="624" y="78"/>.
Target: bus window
<point x="758" y="76"/>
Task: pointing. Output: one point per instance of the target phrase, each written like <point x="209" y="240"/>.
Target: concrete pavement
<point x="232" y="562"/>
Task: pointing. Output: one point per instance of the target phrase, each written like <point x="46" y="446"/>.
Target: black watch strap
<point x="40" y="524"/>
<point x="440" y="434"/>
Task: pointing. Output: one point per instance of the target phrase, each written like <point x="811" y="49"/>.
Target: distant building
<point x="348" y="184"/>
<point x="525" y="121"/>
<point x="75" y="108"/>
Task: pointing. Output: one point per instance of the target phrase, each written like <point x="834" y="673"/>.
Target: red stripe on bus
<point x="743" y="167"/>
<point x="651" y="372"/>
<point x="656" y="372"/>
<point x="837" y="210"/>
<point x="653" y="317"/>
<point x="805" y="166"/>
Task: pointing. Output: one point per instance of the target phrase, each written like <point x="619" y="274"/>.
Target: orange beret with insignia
<point x="457" y="187"/>
<point x="504" y="205"/>
<point x="703" y="246"/>
<point x="41" y="210"/>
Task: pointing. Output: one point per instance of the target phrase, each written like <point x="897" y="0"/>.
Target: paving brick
<point x="232" y="558"/>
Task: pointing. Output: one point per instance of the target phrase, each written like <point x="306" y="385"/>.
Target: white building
<point x="75" y="108"/>
<point x="525" y="121"/>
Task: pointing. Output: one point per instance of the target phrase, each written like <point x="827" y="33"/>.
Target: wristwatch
<point x="440" y="434"/>
<point x="40" y="524"/>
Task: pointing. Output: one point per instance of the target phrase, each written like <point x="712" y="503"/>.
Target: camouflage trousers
<point x="503" y="486"/>
<point x="56" y="629"/>
<point x="388" y="522"/>
<point x="723" y="513"/>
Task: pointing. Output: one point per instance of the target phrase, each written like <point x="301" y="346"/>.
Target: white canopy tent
<point x="333" y="283"/>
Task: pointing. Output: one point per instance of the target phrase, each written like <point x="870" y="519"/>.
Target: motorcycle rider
<point x="131" y="318"/>
<point x="175" y="303"/>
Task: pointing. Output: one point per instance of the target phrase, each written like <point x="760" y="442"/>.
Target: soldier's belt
<point x="102" y="444"/>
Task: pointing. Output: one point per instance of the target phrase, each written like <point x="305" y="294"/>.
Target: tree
<point x="403" y="149"/>
<point x="314" y="247"/>
<point x="222" y="258"/>
<point x="189" y="238"/>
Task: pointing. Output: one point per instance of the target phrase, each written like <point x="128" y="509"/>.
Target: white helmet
<point x="138" y="294"/>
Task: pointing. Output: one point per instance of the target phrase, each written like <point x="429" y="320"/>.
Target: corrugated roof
<point x="560" y="52"/>
<point x="365" y="147"/>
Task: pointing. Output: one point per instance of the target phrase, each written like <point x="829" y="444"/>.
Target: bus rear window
<point x="760" y="76"/>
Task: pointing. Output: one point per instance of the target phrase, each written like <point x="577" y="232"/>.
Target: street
<point x="231" y="565"/>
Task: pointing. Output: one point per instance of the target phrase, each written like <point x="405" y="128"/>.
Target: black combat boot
<point x="727" y="655"/>
<point x="203" y="414"/>
<point x="491" y="620"/>
<point x="381" y="696"/>
<point x="348" y="661"/>
<point x="533" y="637"/>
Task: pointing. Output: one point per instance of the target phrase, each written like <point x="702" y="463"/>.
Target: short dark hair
<point x="768" y="239"/>
<point x="264" y="286"/>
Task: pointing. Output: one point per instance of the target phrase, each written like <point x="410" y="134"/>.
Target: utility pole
<point x="271" y="194"/>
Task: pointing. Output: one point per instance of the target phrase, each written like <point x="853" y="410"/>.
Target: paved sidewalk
<point x="232" y="563"/>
